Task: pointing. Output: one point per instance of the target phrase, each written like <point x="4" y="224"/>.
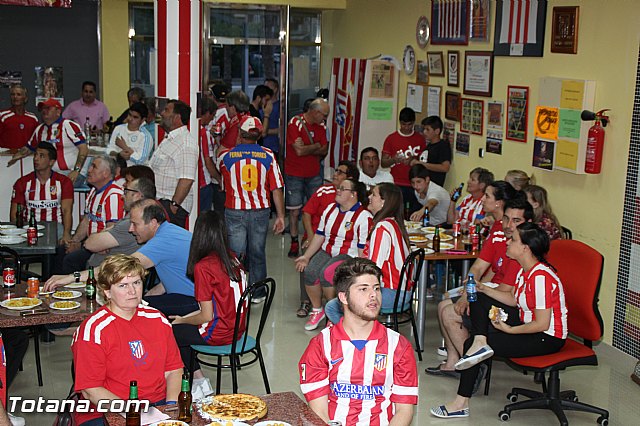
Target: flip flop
<point x="438" y="371"/>
<point x="303" y="310"/>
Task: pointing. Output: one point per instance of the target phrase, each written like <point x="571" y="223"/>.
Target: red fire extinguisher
<point x="595" y="140"/>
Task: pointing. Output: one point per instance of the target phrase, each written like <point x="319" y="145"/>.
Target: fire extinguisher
<point x="595" y="140"/>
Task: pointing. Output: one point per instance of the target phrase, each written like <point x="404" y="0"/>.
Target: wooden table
<point x="46" y="247"/>
<point x="282" y="406"/>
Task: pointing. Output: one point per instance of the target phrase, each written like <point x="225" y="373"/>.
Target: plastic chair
<point x="580" y="270"/>
<point x="402" y="305"/>
<point x="242" y="344"/>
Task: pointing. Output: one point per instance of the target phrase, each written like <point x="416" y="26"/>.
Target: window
<point x="141" y="45"/>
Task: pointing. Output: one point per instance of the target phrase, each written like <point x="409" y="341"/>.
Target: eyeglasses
<point x="340" y="172"/>
<point x="342" y="188"/>
<point x="130" y="190"/>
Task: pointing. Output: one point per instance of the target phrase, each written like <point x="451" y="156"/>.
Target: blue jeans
<point x="173" y="303"/>
<point x="206" y="198"/>
<point x="247" y="230"/>
<point x="299" y="190"/>
<point x="333" y="308"/>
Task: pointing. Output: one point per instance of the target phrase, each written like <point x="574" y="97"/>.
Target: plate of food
<point x="232" y="407"/>
<point x="412" y="226"/>
<point x="428" y="229"/>
<point x="64" y="305"/>
<point x="66" y="294"/>
<point x="12" y="231"/>
<point x="418" y="239"/>
<point x="11" y="239"/>
<point x="426" y="249"/>
<point x="272" y="423"/>
<point x="446" y="246"/>
<point x="20" y="303"/>
<point x="443" y="237"/>
<point x="80" y="284"/>
<point x="7" y="226"/>
<point x="40" y="227"/>
<point x="228" y="423"/>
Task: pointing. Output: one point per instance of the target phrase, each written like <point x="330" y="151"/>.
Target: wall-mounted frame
<point x="519" y="28"/>
<point x="450" y="22"/>
<point x="564" y="29"/>
<point x="517" y="113"/>
<point x="478" y="73"/>
<point x="436" y="64"/>
<point x="452" y="106"/>
<point x="422" y="74"/>
<point x="479" y="25"/>
<point x="472" y="116"/>
<point x="453" y="68"/>
<point x="495" y="114"/>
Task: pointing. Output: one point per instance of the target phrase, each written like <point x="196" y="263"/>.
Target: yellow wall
<point x="591" y="206"/>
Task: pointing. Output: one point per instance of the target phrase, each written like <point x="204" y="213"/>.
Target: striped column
<point x="179" y="45"/>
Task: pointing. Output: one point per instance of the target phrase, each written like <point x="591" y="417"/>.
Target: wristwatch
<point x="174" y="204"/>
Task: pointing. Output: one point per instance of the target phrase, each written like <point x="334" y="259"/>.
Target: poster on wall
<point x="546" y="122"/>
<point x="543" y="154"/>
<point x="462" y="144"/>
<point x="49" y="84"/>
<point x="494" y="141"/>
<point x="382" y="85"/>
<point x="449" y="132"/>
<point x="7" y="78"/>
<point x="517" y="105"/>
<point x="519" y="28"/>
<point x="495" y="114"/>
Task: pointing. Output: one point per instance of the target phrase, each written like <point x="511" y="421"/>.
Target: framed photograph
<point x="452" y="106"/>
<point x="450" y="22"/>
<point x="449" y="132"/>
<point x="453" y="65"/>
<point x="478" y="73"/>
<point x="472" y="116"/>
<point x="517" y="113"/>
<point x="479" y="27"/>
<point x="462" y="143"/>
<point x="543" y="154"/>
<point x="495" y="114"/>
<point x="436" y="64"/>
<point x="422" y="76"/>
<point x="564" y="29"/>
<point x="519" y="28"/>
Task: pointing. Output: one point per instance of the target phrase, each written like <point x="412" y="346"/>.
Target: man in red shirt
<point x="399" y="149"/>
<point x="306" y="147"/>
<point x="16" y="124"/>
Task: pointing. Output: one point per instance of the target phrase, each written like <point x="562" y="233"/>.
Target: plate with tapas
<point x="65" y="305"/>
<point x="66" y="294"/>
<point x="20" y="303"/>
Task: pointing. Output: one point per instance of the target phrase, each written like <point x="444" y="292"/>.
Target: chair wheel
<point x="604" y="421"/>
<point x="512" y="397"/>
<point x="504" y="416"/>
<point x="575" y="398"/>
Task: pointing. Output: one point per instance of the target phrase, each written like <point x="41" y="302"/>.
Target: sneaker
<point x="314" y="319"/>
<point x="15" y="420"/>
<point x="442" y="351"/>
<point x="294" y="249"/>
<point x="258" y="299"/>
<point x="468" y="361"/>
<point x="441" y="411"/>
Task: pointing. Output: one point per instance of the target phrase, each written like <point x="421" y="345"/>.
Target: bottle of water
<point x="472" y="296"/>
<point x="87" y="130"/>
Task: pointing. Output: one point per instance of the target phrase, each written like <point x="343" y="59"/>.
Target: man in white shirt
<point x="370" y="172"/>
<point x="175" y="163"/>
<point x="433" y="198"/>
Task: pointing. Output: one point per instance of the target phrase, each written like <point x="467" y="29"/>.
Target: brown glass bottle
<point x="184" y="400"/>
<point x="436" y="240"/>
<point x="133" y="412"/>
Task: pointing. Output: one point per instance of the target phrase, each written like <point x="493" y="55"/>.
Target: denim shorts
<point x="299" y="190"/>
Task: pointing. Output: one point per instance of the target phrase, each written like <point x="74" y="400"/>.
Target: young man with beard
<point x="358" y="371"/>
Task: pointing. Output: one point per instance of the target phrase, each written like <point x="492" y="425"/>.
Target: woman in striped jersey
<point x="387" y="246"/>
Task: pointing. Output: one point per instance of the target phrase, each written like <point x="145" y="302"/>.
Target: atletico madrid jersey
<point x="319" y="201"/>
<point x="388" y="250"/>
<point x="470" y="209"/>
<point x="16" y="129"/>
<point x="45" y="198"/>
<point x="207" y="144"/>
<point x="362" y="379"/>
<point x="344" y="232"/>
<point x="104" y="205"/>
<point x="494" y="251"/>
<point x="65" y="135"/>
<point x="214" y="285"/>
<point x="110" y="351"/>
<point x="249" y="173"/>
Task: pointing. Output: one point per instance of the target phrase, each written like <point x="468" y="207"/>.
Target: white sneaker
<point x="15" y="420"/>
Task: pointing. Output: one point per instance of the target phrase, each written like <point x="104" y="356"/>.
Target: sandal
<point x="303" y="310"/>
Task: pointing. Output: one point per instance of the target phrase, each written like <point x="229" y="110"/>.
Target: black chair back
<point x="408" y="279"/>
<point x="268" y="286"/>
<point x="6" y="252"/>
<point x="566" y="233"/>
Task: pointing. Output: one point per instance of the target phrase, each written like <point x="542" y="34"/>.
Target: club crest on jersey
<point x="380" y="362"/>
<point x="53" y="191"/>
<point x="348" y="226"/>
<point x="134" y="138"/>
<point x="500" y="262"/>
<point x="137" y="351"/>
<point x="21" y="126"/>
<point x="99" y="210"/>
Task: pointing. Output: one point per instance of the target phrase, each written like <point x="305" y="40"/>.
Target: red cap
<point x="51" y="102"/>
<point x="251" y="124"/>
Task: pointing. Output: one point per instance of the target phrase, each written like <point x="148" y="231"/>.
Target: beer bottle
<point x="19" y="217"/>
<point x="33" y="222"/>
<point x="90" y="288"/>
<point x="457" y="193"/>
<point x="184" y="400"/>
<point x="436" y="240"/>
<point x="133" y="411"/>
<point x="425" y="218"/>
<point x="407" y="211"/>
<point x="32" y="229"/>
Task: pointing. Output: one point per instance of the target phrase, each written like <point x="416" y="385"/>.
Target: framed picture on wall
<point x="450" y="22"/>
<point x="422" y="76"/>
<point x="479" y="27"/>
<point x="436" y="64"/>
<point x="564" y="29"/>
<point x="452" y="106"/>
<point x="453" y="67"/>
<point x="478" y="73"/>
<point x="472" y="116"/>
<point x="495" y="113"/>
<point x="519" y="28"/>
<point x="517" y="109"/>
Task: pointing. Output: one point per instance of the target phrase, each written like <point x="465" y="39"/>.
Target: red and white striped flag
<point x="450" y="22"/>
<point x="519" y="18"/>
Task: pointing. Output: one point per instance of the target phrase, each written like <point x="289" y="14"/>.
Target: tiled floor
<point x="284" y="340"/>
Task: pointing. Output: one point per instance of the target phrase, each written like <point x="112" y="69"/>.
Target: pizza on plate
<point x="238" y="406"/>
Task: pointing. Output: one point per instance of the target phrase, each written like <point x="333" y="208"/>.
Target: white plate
<point x="74" y="295"/>
<point x="443" y="237"/>
<point x="11" y="231"/>
<point x="5" y="304"/>
<point x="412" y="225"/>
<point x="7" y="226"/>
<point x="446" y="246"/>
<point x="11" y="239"/>
<point x="40" y="227"/>
<point x="76" y="285"/>
<point x="418" y="239"/>
<point x="272" y="423"/>
<point x="55" y="306"/>
<point x="428" y="229"/>
<point x="24" y="234"/>
<point x="427" y="251"/>
<point x="232" y="423"/>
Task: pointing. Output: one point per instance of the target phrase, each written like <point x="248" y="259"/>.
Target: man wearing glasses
<point x="306" y="146"/>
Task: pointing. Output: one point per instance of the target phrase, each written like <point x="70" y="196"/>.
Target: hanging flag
<point x="345" y="97"/>
<point x="450" y="22"/>
<point x="519" y="21"/>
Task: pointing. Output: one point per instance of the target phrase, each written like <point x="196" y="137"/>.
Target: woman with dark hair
<point x="219" y="283"/>
<point x="544" y="217"/>
<point x="536" y="321"/>
<point x="387" y="245"/>
<point x="342" y="233"/>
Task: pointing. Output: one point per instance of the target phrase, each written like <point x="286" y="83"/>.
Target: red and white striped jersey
<point x="388" y="250"/>
<point x="249" y="174"/>
<point x="362" y="379"/>
<point x="16" y="129"/>
<point x="470" y="209"/>
<point x="104" y="205"/>
<point x="540" y="288"/>
<point x="66" y="135"/>
<point x="344" y="232"/>
<point x="319" y="201"/>
<point x="206" y="151"/>
<point x="45" y="198"/>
